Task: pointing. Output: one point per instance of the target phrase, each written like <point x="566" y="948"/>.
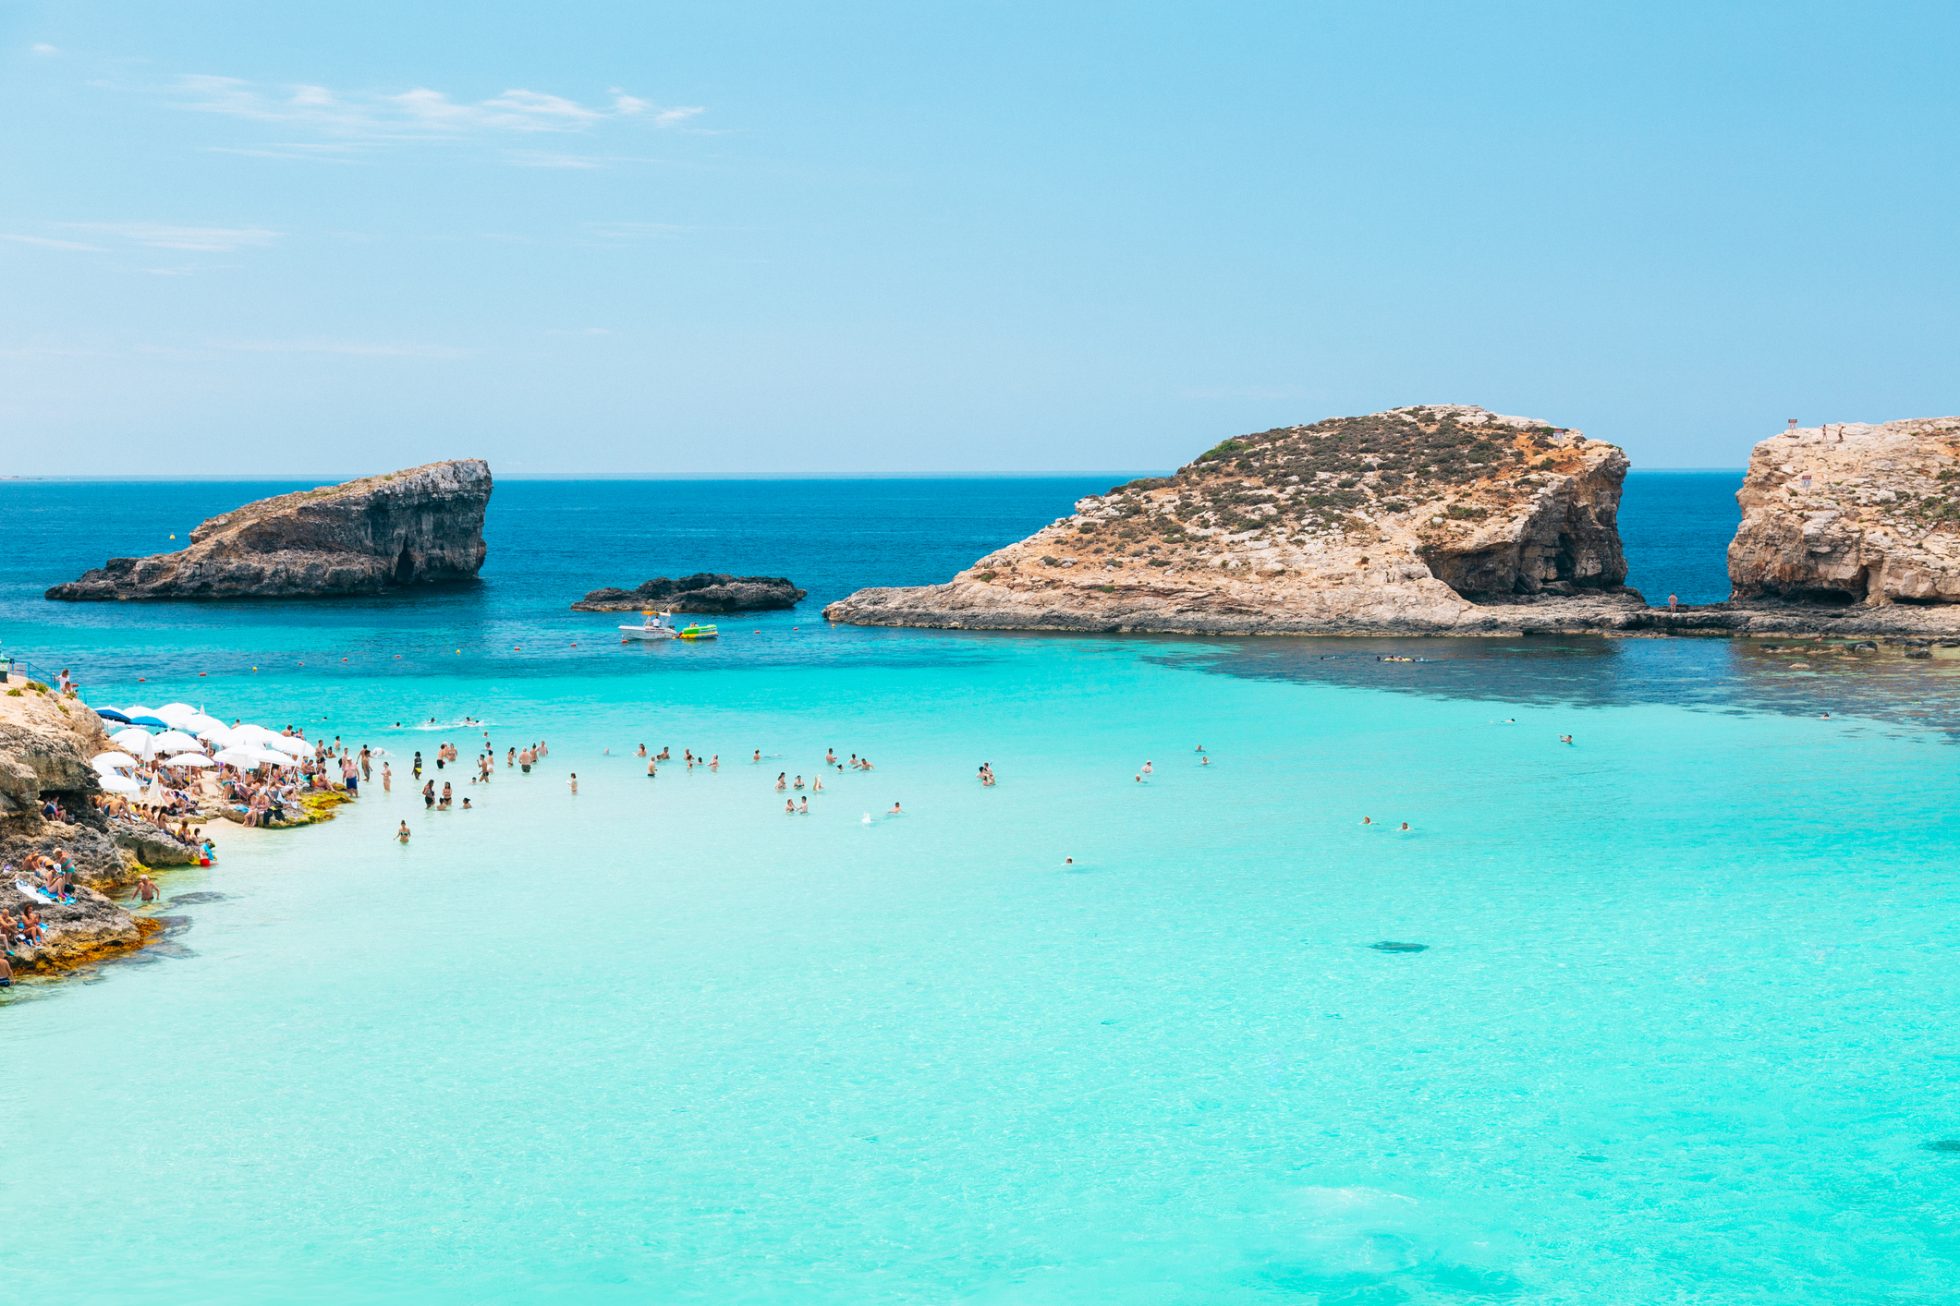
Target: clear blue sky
<point x="647" y="237"/>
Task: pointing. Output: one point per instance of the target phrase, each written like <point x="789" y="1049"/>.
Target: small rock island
<point x="704" y="591"/>
<point x="1432" y="519"/>
<point x="421" y="526"/>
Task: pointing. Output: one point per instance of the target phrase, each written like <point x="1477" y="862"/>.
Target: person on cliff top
<point x="146" y="890"/>
<point x="401" y="834"/>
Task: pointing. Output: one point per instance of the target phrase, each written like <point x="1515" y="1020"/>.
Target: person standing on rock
<point x="1673" y="603"/>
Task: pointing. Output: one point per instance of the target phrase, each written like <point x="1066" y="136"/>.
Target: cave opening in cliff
<point x="405" y="567"/>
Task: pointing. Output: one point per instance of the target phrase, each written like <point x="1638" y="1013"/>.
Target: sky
<point x="315" y="238"/>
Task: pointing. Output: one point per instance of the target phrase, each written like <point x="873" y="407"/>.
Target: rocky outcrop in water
<point x="702" y="592"/>
<point x="1435" y="519"/>
<point x="1852" y="514"/>
<point x="422" y="526"/>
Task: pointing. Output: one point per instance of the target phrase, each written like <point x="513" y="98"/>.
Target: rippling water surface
<point x="1671" y="1022"/>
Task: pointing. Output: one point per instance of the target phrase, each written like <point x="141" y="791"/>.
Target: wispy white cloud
<point x="549" y="159"/>
<point x="163" y="235"/>
<point x="44" y="50"/>
<point x="625" y="231"/>
<point x="417" y="114"/>
<point x="345" y="348"/>
<point x="49" y="242"/>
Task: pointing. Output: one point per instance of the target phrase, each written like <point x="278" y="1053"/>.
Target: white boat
<point x="655" y="627"/>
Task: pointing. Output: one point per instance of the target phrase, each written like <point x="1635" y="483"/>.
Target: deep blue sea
<point x="1661" y="1015"/>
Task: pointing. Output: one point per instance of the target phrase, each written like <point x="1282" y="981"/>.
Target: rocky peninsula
<point x="1452" y="520"/>
<point x="1852" y="514"/>
<point x="420" y="526"/>
<point x="1413" y="520"/>
<point x="710" y="592"/>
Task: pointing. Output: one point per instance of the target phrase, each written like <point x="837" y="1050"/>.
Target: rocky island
<point x="1447" y="519"/>
<point x="1432" y="519"/>
<point x="421" y="526"/>
<point x="702" y="592"/>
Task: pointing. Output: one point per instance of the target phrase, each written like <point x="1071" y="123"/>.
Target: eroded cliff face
<point x="415" y="527"/>
<point x="45" y="746"/>
<point x="1409" y="520"/>
<point x="1852" y="514"/>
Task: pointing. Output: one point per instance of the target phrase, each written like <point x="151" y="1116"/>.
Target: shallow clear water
<point x="1678" y="1031"/>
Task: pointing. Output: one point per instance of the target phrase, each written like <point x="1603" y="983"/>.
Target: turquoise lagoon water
<point x="1680" y="1030"/>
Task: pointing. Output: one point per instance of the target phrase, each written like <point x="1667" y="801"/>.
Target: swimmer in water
<point x="466" y="805"/>
<point x="1068" y="861"/>
<point x="714" y="763"/>
<point x="1565" y="739"/>
<point x="895" y="811"/>
<point x="401" y="833"/>
<point x="1205" y="760"/>
<point x="1367" y="820"/>
<point x="573" y="782"/>
<point x="789" y="807"/>
<point x="782" y="781"/>
<point x="387" y="778"/>
<point x="802" y="807"/>
<point x="651" y="772"/>
<point x="1147" y="768"/>
<point x="146" y="889"/>
<point x="757" y="757"/>
<point x="1405" y="827"/>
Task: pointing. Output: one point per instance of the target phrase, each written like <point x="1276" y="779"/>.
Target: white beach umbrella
<point x="204" y="725"/>
<point x="289" y="744"/>
<point x="137" y="709"/>
<point x="176" y="713"/>
<point x="221" y="737"/>
<point x="238" y="755"/>
<point x="175" y="741"/>
<point x="111" y="761"/>
<point x="133" y="740"/>
<point x="189" y="759"/>
<point x="255" y="756"/>
<point x="253" y="734"/>
<point x="118" y="784"/>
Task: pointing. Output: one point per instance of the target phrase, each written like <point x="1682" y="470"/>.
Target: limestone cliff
<point x="415" y="527"/>
<point x="1852" y="514"/>
<point x="1434" y="518"/>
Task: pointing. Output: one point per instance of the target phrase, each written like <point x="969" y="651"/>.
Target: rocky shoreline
<point x="50" y="806"/>
<point x="1449" y="520"/>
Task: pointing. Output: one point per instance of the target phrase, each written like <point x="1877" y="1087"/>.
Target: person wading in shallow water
<point x="146" y="889"/>
<point x="401" y="834"/>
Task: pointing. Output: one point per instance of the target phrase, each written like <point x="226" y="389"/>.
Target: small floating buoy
<point x="202" y="674"/>
<point x="517" y="648"/>
<point x="343" y="659"/>
<point x="141" y="679"/>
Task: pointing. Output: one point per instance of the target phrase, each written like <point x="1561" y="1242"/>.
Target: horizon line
<point x="178" y="478"/>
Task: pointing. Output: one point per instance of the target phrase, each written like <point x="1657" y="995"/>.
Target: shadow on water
<point x="1739" y="676"/>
